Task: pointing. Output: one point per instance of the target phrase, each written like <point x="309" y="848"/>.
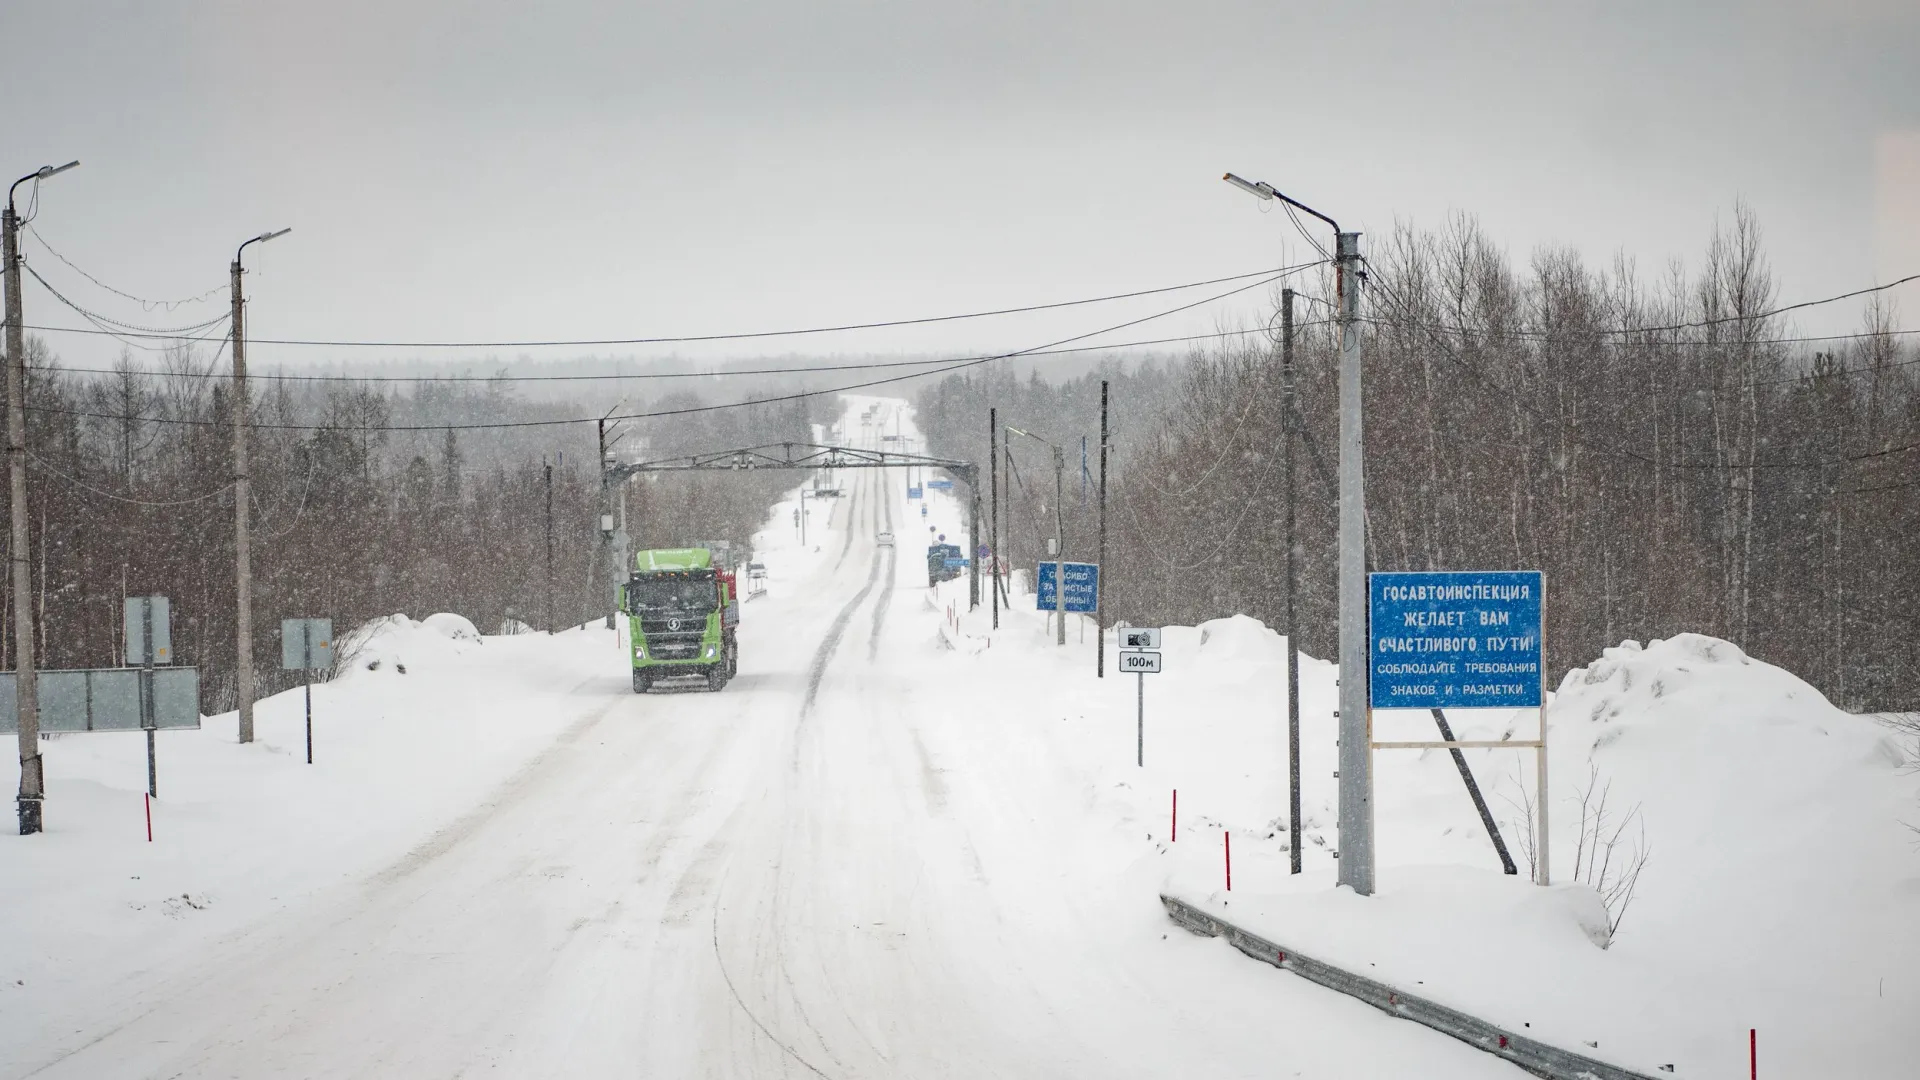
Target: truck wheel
<point x="642" y="681"/>
<point x="733" y="661"/>
<point x="716" y="677"/>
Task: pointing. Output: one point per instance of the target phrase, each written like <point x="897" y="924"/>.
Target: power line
<point x="147" y="305"/>
<point x="717" y="374"/>
<point x="742" y="336"/>
<point x="132" y="329"/>
<point x="951" y="367"/>
<point x="45" y="467"/>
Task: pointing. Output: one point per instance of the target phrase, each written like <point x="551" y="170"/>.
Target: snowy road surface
<point x="816" y="872"/>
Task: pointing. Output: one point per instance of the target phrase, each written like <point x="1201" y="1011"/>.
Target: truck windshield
<point x="674" y="595"/>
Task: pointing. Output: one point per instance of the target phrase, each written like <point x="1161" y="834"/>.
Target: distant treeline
<point x="1661" y="450"/>
<point x="131" y="493"/>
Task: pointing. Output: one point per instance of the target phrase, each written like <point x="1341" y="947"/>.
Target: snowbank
<point x="245" y="832"/>
<point x="1780" y="891"/>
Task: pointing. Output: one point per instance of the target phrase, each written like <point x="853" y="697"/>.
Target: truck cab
<point x="944" y="563"/>
<point x="683" y="611"/>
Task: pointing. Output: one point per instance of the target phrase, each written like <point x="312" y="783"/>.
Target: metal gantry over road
<point x="811" y="456"/>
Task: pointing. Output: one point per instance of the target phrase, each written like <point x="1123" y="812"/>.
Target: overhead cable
<point x="753" y="335"/>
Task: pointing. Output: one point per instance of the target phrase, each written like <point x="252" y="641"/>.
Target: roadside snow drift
<point x="423" y="721"/>
<point x="1780" y="889"/>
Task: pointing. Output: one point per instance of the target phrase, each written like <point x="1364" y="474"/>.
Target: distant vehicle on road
<point x="885" y="539"/>
<point x="684" y="608"/>
<point x="944" y="562"/>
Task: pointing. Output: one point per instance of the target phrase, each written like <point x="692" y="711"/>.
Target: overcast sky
<point x="580" y="170"/>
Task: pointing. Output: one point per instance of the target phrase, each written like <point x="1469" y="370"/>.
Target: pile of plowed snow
<point x="422" y="721"/>
<point x="398" y="644"/>
<point x="1780" y="889"/>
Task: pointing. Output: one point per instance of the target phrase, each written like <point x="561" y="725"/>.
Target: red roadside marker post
<point x="1173" y="834"/>
<point x="1229" y="837"/>
<point x="148" y="801"/>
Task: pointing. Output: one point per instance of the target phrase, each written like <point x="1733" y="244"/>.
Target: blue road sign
<point x="913" y="493"/>
<point x="1083" y="587"/>
<point x="1467" y="640"/>
<point x="940" y="485"/>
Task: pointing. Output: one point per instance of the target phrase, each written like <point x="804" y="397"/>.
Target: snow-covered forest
<point x="1674" y="457"/>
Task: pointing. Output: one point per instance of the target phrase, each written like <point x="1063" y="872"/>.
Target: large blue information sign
<point x="1468" y="640"/>
<point x="1083" y="587"/>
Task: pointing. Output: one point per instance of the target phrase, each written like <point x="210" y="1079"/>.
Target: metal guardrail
<point x="1535" y="1057"/>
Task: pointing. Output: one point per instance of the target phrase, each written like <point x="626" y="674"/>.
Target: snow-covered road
<point x="824" y="870"/>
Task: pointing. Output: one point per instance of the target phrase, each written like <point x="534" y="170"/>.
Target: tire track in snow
<point x="886" y="591"/>
<point x="822" y="655"/>
<point x="851" y="513"/>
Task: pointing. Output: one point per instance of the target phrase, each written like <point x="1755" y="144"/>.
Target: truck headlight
<point x="639" y="652"/>
<point x="709" y="650"/>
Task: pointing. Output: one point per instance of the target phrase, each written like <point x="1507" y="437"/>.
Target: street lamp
<point x="33" y="787"/>
<point x="1356" y="759"/>
<point x="1059" y="535"/>
<point x="242" y="557"/>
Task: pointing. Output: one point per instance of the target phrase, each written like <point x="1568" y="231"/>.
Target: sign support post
<point x="306" y="645"/>
<point x="307" y="657"/>
<point x="1140" y="723"/>
<point x="146" y="694"/>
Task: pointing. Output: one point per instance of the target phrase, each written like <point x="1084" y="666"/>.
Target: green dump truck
<point x="683" y="611"/>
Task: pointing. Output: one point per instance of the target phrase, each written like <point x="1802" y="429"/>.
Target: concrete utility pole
<point x="1356" y="736"/>
<point x="611" y="528"/>
<point x="33" y="787"/>
<point x="548" y="468"/>
<point x="1356" y="721"/>
<point x="1100" y="557"/>
<point x="242" y="556"/>
<point x="1059" y="546"/>
<point x="973" y="539"/>
<point x="1287" y="424"/>
<point x="993" y="470"/>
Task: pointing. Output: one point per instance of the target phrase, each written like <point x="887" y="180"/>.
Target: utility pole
<point x="1099" y="600"/>
<point x="33" y="788"/>
<point x="1006" y="450"/>
<point x="549" y="472"/>
<point x="612" y="529"/>
<point x="973" y="538"/>
<point x="993" y="469"/>
<point x="606" y="515"/>
<point x="1059" y="546"/>
<point x="242" y="540"/>
<point x="1355" y="722"/>
<point x="242" y="523"/>
<point x="1287" y="422"/>
<point x="1356" y="735"/>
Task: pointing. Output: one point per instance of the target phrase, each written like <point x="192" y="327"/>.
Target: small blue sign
<point x="1083" y="587"/>
<point x="940" y="485"/>
<point x="913" y="493"/>
<point x="1466" y="640"/>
